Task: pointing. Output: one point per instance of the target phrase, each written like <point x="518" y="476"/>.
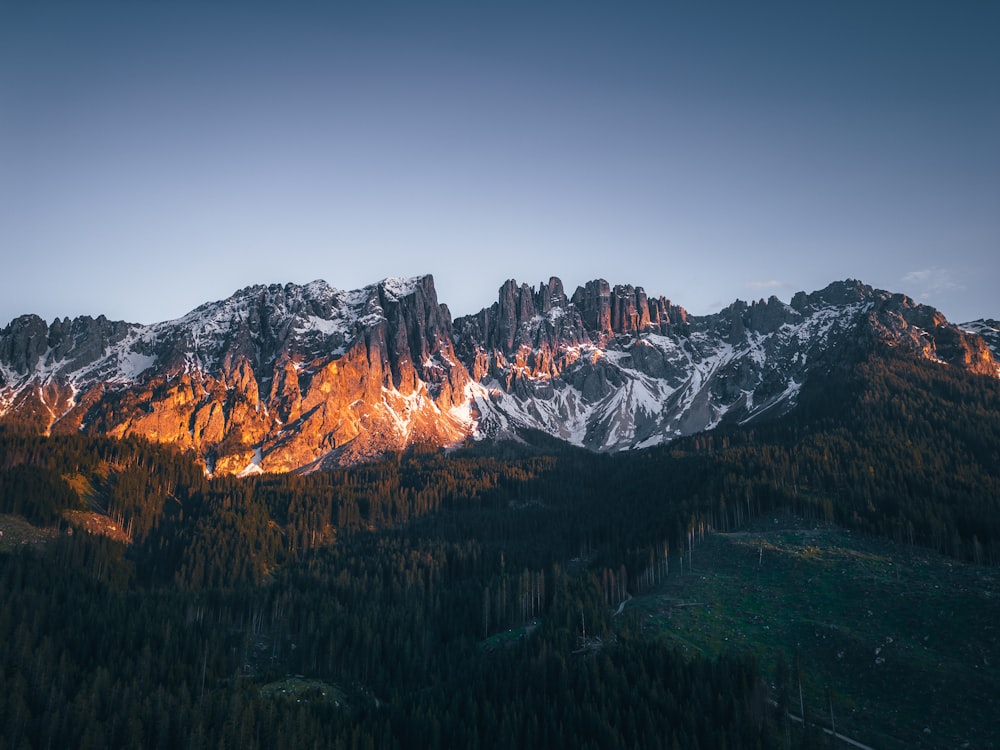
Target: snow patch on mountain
<point x="397" y="288"/>
<point x="604" y="369"/>
<point x="988" y="329"/>
<point x="254" y="466"/>
<point x="131" y="364"/>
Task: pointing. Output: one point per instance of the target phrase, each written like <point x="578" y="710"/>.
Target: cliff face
<point x="986" y="330"/>
<point x="278" y="378"/>
<point x="274" y="378"/>
<point x="529" y="334"/>
<point x="611" y="368"/>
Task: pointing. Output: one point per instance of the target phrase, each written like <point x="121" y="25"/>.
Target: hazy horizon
<point x="157" y="157"/>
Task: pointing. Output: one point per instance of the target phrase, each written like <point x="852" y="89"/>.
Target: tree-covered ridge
<point x="893" y="447"/>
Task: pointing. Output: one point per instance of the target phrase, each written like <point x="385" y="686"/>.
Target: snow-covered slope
<point x="611" y="369"/>
<point x="987" y="329"/>
<point x="277" y="378"/>
<point x="637" y="388"/>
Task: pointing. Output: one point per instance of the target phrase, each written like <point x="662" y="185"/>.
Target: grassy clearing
<point x="16" y="531"/>
<point x="509" y="637"/>
<point x="301" y="690"/>
<point x="83" y="487"/>
<point x="96" y="523"/>
<point x="906" y="642"/>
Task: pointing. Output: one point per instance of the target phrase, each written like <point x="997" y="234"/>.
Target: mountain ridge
<point x="289" y="377"/>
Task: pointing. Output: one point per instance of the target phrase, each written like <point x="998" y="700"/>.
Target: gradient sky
<point x="157" y="155"/>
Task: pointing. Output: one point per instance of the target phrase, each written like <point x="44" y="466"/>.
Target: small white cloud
<point x="915" y="277"/>
<point x="932" y="282"/>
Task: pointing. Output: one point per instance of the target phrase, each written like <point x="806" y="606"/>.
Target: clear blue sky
<point x="154" y="155"/>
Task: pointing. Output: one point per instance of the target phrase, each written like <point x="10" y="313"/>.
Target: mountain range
<point x="288" y="377"/>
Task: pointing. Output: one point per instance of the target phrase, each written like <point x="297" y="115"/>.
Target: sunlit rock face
<point x="274" y="378"/>
<point x="282" y="378"/>
<point x="988" y="331"/>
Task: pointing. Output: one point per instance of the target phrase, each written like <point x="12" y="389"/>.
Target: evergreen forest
<point x="477" y="598"/>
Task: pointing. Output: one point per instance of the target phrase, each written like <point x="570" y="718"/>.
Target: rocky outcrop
<point x="281" y="378"/>
<point x="926" y="333"/>
<point x="613" y="368"/>
<point x="529" y="334"/>
<point x="273" y="378"/>
<point x="28" y="344"/>
<point x="988" y="330"/>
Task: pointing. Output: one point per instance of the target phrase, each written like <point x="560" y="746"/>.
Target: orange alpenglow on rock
<point x="297" y="378"/>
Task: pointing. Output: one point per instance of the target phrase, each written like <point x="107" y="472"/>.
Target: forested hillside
<point x="435" y="600"/>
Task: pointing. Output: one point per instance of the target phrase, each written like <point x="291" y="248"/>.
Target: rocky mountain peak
<point x="28" y="345"/>
<point x="24" y="343"/>
<point x="282" y="377"/>
<point x="551" y="295"/>
<point x="838" y="293"/>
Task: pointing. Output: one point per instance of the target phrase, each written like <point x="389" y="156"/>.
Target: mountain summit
<point x="281" y="378"/>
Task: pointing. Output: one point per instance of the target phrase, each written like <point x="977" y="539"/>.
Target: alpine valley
<point x="297" y="378"/>
<point x="309" y="518"/>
